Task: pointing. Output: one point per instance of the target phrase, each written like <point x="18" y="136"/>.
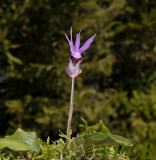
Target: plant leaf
<point x="13" y="144"/>
<point x="107" y="138"/>
<point x="96" y="136"/>
<point x="26" y="137"/>
<point x="120" y="140"/>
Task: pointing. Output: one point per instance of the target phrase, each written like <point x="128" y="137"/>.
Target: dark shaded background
<point x="118" y="81"/>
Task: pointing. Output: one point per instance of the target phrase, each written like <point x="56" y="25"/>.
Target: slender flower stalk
<point x="73" y="68"/>
<point x="70" y="109"/>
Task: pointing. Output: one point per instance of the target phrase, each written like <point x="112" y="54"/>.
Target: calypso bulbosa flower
<point x="75" y="58"/>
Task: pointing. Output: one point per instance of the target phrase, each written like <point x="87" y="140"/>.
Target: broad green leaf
<point x="26" y="137"/>
<point x="13" y="144"/>
<point x="107" y="138"/>
<point x="120" y="140"/>
<point x="96" y="136"/>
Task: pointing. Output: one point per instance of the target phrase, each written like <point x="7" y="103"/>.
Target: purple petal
<point x="87" y="44"/>
<point x="71" y="34"/>
<point x="77" y="44"/>
<point x="72" y="48"/>
<point x="67" y="38"/>
<point x="76" y="55"/>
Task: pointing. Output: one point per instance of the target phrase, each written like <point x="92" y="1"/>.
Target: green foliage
<point x="7" y="153"/>
<point x="18" y="144"/>
<point x="26" y="137"/>
<point x="99" y="127"/>
<point x="100" y="132"/>
<point x="87" y="144"/>
<point x="13" y="144"/>
<point x="98" y="138"/>
<point x="80" y="147"/>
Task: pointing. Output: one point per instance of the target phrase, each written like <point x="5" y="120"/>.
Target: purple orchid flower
<point x="75" y="58"/>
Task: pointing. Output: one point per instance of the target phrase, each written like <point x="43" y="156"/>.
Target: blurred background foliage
<point x="118" y="82"/>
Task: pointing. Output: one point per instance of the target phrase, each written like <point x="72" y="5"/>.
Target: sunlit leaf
<point x="13" y="144"/>
<point x="26" y="137"/>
